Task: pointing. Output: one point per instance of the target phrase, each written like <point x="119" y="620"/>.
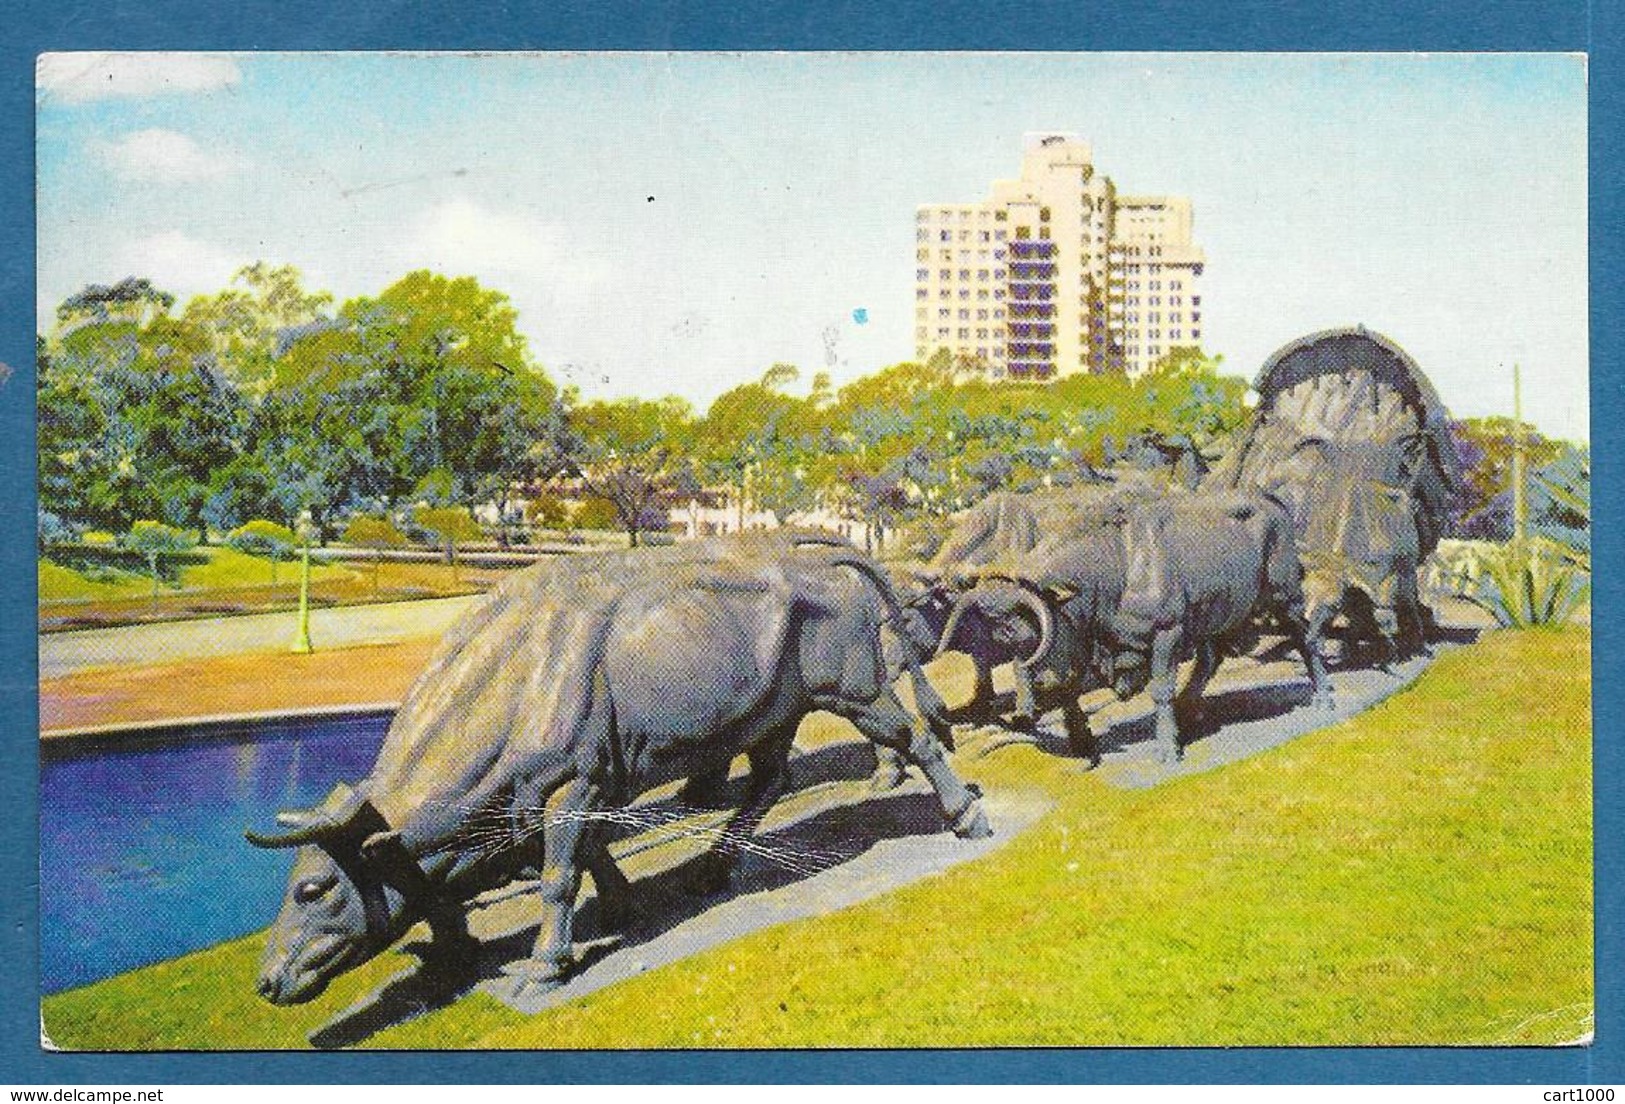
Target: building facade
<point x="1055" y="273"/>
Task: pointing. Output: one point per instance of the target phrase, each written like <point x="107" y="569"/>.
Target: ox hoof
<point x="972" y="823"/>
<point x="533" y="978"/>
<point x="707" y="874"/>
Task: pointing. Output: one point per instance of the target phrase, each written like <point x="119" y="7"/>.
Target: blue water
<point x="142" y="856"/>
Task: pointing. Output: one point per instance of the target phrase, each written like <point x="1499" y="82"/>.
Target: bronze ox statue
<point x="1119" y="591"/>
<point x="957" y="603"/>
<point x="1350" y="434"/>
<point x="1202" y="571"/>
<point x="573" y="688"/>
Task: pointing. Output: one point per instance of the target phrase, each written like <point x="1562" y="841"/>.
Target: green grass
<point x="1420" y="874"/>
<point x="223" y="568"/>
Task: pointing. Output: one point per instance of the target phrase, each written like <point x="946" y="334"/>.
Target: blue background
<point x="30" y="27"/>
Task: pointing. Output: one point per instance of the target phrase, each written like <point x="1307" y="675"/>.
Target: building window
<point x="922" y="234"/>
<point x="921" y="332"/>
<point x="1196" y="300"/>
<point x="981" y="274"/>
<point x="943" y="313"/>
<point x="964" y="316"/>
<point x="998" y="273"/>
<point x="945" y="235"/>
<point x="921" y="273"/>
<point x="920" y="293"/>
<point x="947" y="255"/>
<point x="946" y="274"/>
<point x="1043" y="214"/>
<point x="942" y="331"/>
<point x="981" y="293"/>
<point x="1001" y="216"/>
<point x="982" y="314"/>
<point x="964" y="293"/>
<point x="1023" y="233"/>
<point x="1043" y="232"/>
<point x="964" y="333"/>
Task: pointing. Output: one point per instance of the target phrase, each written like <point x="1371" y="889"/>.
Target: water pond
<point x="142" y="856"/>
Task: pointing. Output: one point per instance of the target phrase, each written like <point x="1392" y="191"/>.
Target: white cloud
<point x="459" y="234"/>
<point x="513" y="251"/>
<point x="176" y="262"/>
<point x="83" y="77"/>
<point x="165" y="156"/>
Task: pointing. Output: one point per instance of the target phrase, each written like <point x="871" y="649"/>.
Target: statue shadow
<point x="785" y="855"/>
<point x="1219" y="710"/>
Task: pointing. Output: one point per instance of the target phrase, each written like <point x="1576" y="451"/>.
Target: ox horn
<point x="311" y="825"/>
<point x="1033" y="599"/>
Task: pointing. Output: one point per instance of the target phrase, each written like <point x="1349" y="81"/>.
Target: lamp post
<point x="305" y="529"/>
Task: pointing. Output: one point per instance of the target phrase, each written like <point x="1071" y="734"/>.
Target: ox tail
<point x="926" y="698"/>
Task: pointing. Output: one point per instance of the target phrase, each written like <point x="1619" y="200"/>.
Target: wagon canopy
<point x="1379" y="389"/>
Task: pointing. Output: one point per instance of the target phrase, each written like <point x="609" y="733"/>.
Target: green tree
<point x="378" y="534"/>
<point x="136" y="420"/>
<point x="154" y="540"/>
<point x="761" y="442"/>
<point x="263" y="306"/>
<point x="260" y="537"/>
<point x="635" y="454"/>
<point x="454" y="525"/>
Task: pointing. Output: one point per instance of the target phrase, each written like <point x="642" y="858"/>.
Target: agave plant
<point x="1532" y="583"/>
<point x="1573" y="495"/>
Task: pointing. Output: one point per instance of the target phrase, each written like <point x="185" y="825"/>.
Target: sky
<point x="677" y="223"/>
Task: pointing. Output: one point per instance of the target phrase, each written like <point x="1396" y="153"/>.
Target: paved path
<point x="1250" y="707"/>
<point x="66" y="653"/>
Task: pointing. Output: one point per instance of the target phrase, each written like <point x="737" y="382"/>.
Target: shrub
<point x="1531" y="584"/>
<point x="377" y="533"/>
<point x="53" y="530"/>
<point x="264" y="538"/>
<point x="154" y="540"/>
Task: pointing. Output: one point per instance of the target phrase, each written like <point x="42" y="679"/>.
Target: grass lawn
<point x="222" y="568"/>
<point x="1420" y="874"/>
<point x="231" y="582"/>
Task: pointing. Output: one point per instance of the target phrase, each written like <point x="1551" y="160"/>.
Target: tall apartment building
<point x="1056" y="273"/>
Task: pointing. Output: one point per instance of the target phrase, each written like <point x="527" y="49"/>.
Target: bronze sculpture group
<point x="582" y="683"/>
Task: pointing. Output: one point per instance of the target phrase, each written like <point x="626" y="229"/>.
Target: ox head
<point x="339" y="909"/>
<point x="927" y="601"/>
<point x="1002" y="617"/>
<point x="1360" y="514"/>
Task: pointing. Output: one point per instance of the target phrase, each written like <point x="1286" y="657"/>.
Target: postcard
<point x="813" y="550"/>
